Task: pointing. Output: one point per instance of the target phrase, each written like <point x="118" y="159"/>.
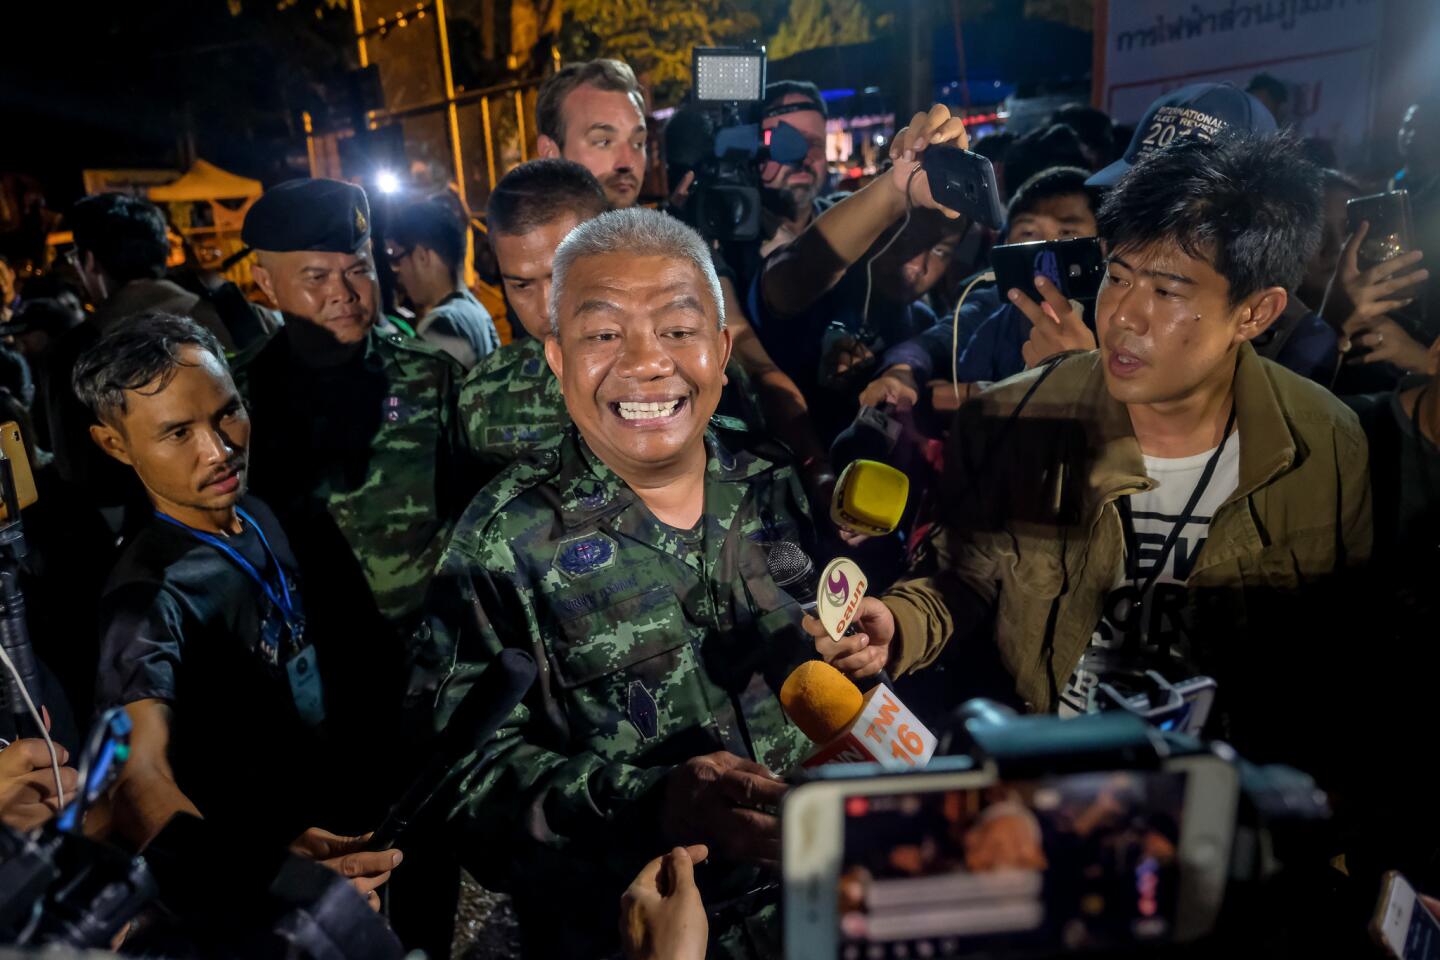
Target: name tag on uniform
<point x="305" y="687"/>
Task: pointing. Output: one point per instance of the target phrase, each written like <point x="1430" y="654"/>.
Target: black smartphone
<point x="964" y="182"/>
<point x="1076" y="266"/>
<point x="1390" y="233"/>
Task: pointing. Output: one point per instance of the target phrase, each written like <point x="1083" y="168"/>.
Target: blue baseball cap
<point x="1205" y="110"/>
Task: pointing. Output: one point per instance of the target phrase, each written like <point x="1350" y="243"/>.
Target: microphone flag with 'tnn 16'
<point x="850" y="727"/>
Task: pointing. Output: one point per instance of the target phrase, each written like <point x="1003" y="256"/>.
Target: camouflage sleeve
<point x="470" y="407"/>
<point x="524" y="799"/>
<point x="460" y="474"/>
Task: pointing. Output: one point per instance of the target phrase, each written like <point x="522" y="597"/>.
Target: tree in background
<point x="655" y="36"/>
<point x="1079" y="14"/>
<point x="812" y="24"/>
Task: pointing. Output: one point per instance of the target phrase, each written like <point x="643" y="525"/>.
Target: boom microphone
<point x="849" y="727"/>
<point x="487" y="704"/>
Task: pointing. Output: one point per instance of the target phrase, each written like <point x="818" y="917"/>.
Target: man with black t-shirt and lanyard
<point x="202" y="624"/>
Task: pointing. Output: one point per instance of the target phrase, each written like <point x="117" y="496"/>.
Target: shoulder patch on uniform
<point x="644" y="713"/>
<point x="394" y="409"/>
<point x="531" y="367"/>
<point x="585" y="554"/>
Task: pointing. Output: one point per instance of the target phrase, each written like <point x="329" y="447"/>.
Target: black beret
<point x="308" y="214"/>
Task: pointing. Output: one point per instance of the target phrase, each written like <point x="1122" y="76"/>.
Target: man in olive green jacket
<point x="1142" y="507"/>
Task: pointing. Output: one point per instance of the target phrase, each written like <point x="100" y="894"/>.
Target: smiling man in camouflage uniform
<point x="511" y="401"/>
<point x="628" y="556"/>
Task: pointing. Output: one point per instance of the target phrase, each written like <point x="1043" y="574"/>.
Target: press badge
<point x="305" y="687"/>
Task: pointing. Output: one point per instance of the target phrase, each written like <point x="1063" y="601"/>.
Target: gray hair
<point x="636" y="231"/>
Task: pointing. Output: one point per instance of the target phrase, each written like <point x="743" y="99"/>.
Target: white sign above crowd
<point x="1325" y="51"/>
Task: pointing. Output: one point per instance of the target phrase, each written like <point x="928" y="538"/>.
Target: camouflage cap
<point x="309" y="214"/>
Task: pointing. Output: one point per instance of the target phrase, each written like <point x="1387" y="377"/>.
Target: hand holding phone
<point x="921" y="142"/>
<point x="1404" y="924"/>
<point x="1056" y="324"/>
<point x="964" y="182"/>
<point x="1390" y="233"/>
<point x="1075" y="265"/>
<point x="1375" y="292"/>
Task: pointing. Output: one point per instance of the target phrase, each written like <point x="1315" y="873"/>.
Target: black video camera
<point x="717" y="136"/>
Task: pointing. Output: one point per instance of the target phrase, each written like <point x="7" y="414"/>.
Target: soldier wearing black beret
<point x="356" y="444"/>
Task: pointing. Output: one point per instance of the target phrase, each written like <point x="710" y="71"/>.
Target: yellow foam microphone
<point x="847" y="726"/>
<point x="869" y="498"/>
<point x="820" y="700"/>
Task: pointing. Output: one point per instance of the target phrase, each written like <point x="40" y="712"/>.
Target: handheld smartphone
<point x="1403" y="925"/>
<point x="964" y="182"/>
<point x="960" y="863"/>
<point x="1391" y="233"/>
<point x="1076" y="266"/>
<point x="12" y="448"/>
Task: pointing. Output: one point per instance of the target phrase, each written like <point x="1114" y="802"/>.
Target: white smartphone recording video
<point x="958" y="863"/>
<point x="1403" y="925"/>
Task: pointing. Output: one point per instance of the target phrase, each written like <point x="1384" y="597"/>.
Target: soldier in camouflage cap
<point x="628" y="556"/>
<point x="358" y="450"/>
<point x="511" y="401"/>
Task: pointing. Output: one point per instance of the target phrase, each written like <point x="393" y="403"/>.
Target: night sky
<point x="116" y="84"/>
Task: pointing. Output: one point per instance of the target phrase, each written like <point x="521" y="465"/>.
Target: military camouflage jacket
<point x="653" y="644"/>
<point x="510" y="403"/>
<point x="363" y="463"/>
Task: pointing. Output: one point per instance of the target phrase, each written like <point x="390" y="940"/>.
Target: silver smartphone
<point x="960" y="863"/>
<point x="1403" y="925"/>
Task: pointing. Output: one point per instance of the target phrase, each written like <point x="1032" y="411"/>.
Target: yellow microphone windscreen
<point x="870" y="497"/>
<point x="820" y="700"/>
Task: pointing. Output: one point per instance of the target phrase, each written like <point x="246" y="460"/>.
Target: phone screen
<point x="1081" y="861"/>
<point x="1076" y="266"/>
<point x="1422" y="939"/>
<point x="1389" y="234"/>
<point x="1405" y="925"/>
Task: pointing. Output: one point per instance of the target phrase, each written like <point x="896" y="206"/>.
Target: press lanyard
<point x="1132" y="542"/>
<point x="281" y="600"/>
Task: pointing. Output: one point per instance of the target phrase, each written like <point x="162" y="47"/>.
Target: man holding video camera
<point x="1138" y="507"/>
